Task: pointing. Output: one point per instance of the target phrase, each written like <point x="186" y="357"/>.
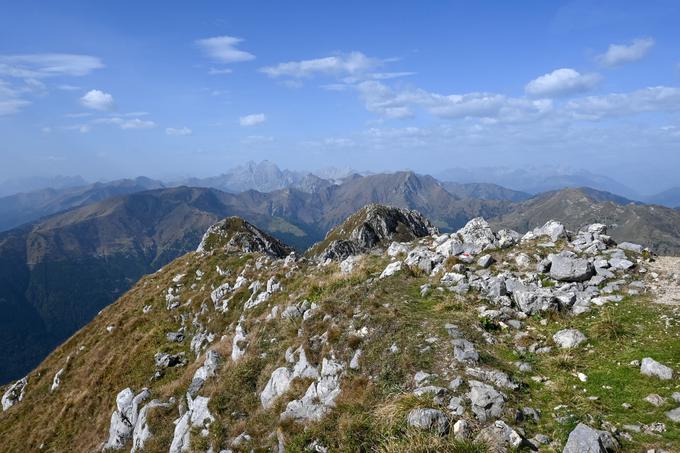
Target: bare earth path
<point x="666" y="285"/>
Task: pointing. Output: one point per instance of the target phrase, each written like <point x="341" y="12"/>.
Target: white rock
<point x="239" y="337"/>
<point x="651" y="367"/>
<point x="354" y="363"/>
<point x="14" y="394"/>
<point x="56" y="381"/>
<point x="348" y="265"/>
<point x="397" y="248"/>
<point x="391" y="269"/>
<point x="142" y="433"/>
<point x="276" y="386"/>
<point x="197" y="416"/>
<point x="124" y="418"/>
<point x="568" y="338"/>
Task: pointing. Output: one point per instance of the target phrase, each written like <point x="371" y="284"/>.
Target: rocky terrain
<point x="386" y="336"/>
<point x="58" y="272"/>
<point x="657" y="227"/>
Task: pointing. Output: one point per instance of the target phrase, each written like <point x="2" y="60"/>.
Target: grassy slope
<point x="371" y="411"/>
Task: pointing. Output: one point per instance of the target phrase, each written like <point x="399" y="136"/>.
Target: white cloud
<point x="48" y="65"/>
<point x="82" y="128"/>
<point x="11" y="106"/>
<point x="349" y="64"/>
<point x="178" y="131"/>
<point x="67" y="87"/>
<point x="97" y="100"/>
<point x="618" y="54"/>
<point x="379" y="98"/>
<point x="651" y="99"/>
<point x="252" y="120"/>
<point x="222" y="49"/>
<point x="78" y="115"/>
<point x="561" y="82"/>
<point x="137" y="123"/>
<point x="390" y="75"/>
<point x="216" y="71"/>
<point x="124" y="123"/>
<point x="10" y="101"/>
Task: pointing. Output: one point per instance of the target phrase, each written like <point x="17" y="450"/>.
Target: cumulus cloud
<point x="97" y="100"/>
<point x="618" y="54"/>
<point x="222" y="49"/>
<point x="178" y="131"/>
<point x="252" y="120"/>
<point x="348" y="64"/>
<point x="561" y="82"/>
<point x="48" y="65"/>
<point x="651" y="99"/>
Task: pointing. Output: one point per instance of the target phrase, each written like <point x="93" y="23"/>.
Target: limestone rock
<point x="142" y="432"/>
<point x="464" y="351"/>
<point x="372" y="226"/>
<point x="486" y="401"/>
<point x="14" y="394"/>
<point x="478" y="234"/>
<point x="499" y="437"/>
<point x="674" y="415"/>
<point x="568" y="338"/>
<point x="568" y="269"/>
<point x="124" y="418"/>
<point x="391" y="269"/>
<point x="650" y="367"/>
<point x="235" y="235"/>
<point x="198" y="417"/>
<point x="429" y="419"/>
<point x="584" y="439"/>
<point x="209" y="368"/>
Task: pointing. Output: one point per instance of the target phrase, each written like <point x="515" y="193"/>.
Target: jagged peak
<point x="371" y="226"/>
<point x="235" y="234"/>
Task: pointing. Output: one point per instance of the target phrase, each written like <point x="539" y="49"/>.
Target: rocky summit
<point x="387" y="336"/>
<point x="371" y="226"/>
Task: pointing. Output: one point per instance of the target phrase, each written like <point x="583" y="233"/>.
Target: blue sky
<point x="106" y="89"/>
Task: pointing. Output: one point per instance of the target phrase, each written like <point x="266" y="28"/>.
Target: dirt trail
<point x="666" y="285"/>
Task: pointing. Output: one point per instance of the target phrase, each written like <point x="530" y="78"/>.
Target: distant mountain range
<point x="669" y="198"/>
<point x="535" y="180"/>
<point x="264" y="176"/>
<point x="18" y="185"/>
<point x="26" y="207"/>
<point x="91" y="244"/>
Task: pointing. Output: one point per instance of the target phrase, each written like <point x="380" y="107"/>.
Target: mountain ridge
<point x="228" y="347"/>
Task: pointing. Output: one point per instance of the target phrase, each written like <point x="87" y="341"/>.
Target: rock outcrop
<point x="235" y="235"/>
<point x="372" y="226"/>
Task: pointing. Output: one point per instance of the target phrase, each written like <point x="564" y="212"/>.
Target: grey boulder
<point x="650" y="367"/>
<point x="584" y="439"/>
<point x="429" y="419"/>
<point x="486" y="401"/>
<point x="568" y="269"/>
<point x="568" y="338"/>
